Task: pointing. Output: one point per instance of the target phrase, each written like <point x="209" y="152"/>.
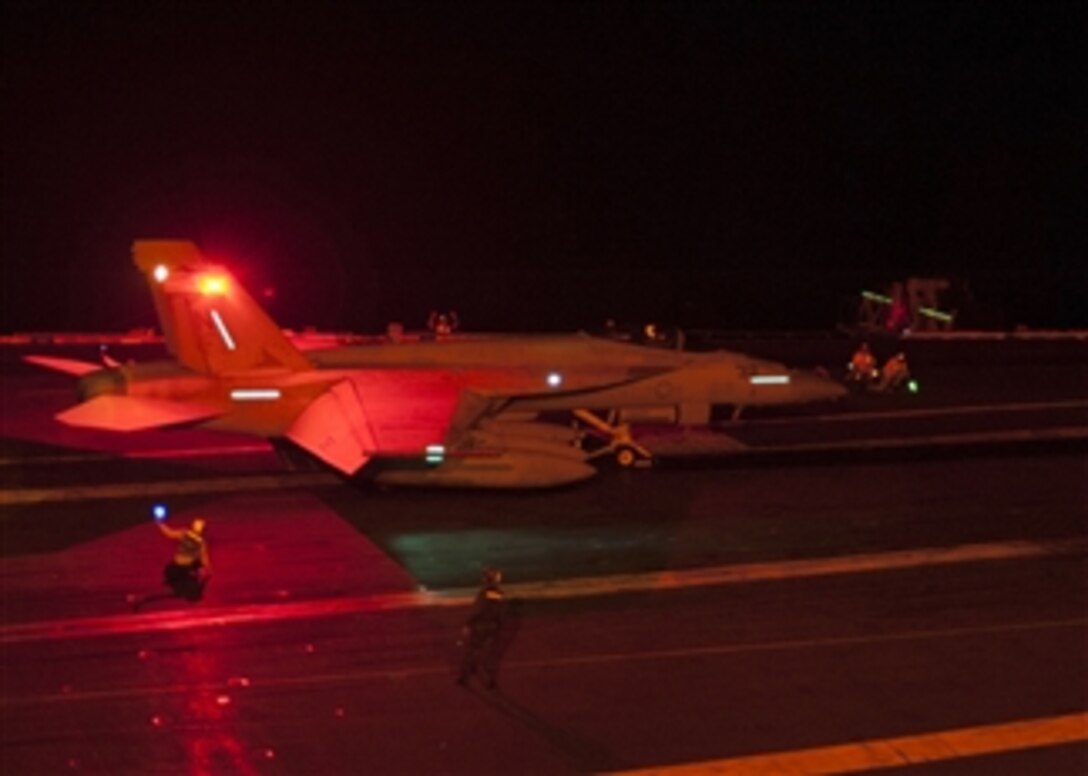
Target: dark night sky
<point x="546" y="165"/>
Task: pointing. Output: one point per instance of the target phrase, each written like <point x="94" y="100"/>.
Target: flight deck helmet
<point x="492" y="576"/>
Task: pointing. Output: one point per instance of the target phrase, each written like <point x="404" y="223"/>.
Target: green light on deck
<point x="931" y="313"/>
<point x="912" y="386"/>
<point x="875" y="297"/>
<point x="436" y="454"/>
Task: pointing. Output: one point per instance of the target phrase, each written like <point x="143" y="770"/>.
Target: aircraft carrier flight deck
<point x="883" y="581"/>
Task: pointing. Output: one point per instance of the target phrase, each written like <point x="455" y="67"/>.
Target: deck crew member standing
<point x="480" y="633"/>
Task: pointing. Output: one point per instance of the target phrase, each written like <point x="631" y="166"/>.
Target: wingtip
<point x="68" y="366"/>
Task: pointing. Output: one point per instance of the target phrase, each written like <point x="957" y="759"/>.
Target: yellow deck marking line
<point x="421" y="671"/>
<point x="893" y="752"/>
<point x="166" y="488"/>
<point x="113" y="625"/>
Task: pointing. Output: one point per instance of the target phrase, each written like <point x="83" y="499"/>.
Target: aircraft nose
<point x="814" y="386"/>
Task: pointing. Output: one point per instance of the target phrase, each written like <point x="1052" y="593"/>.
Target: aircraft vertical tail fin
<point x="210" y="323"/>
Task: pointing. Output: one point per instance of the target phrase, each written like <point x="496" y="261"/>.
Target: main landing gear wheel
<point x="626" y="457"/>
<point x="627" y="451"/>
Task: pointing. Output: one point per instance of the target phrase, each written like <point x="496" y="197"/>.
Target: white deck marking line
<point x="31" y="460"/>
<point x="402" y="672"/>
<point x="831" y="642"/>
<point x="793" y="569"/>
<point x="569" y="588"/>
<point x="1057" y="433"/>
<point x="200" y="452"/>
<point x="881" y="753"/>
<point x="296" y="480"/>
<point x="165" y="488"/>
<point x="185" y="452"/>
<point x="852" y="416"/>
<point x="965" y="409"/>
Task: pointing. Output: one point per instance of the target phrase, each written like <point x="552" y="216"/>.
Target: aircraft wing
<point x="393" y="412"/>
<point x="472" y="408"/>
<point x="69" y="366"/>
<point x="335" y="428"/>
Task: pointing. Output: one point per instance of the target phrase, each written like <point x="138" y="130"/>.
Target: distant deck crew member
<point x="480" y="633"/>
<point x="899" y="314"/>
<point x="895" y="373"/>
<point x="442" y="323"/>
<point x="652" y="334"/>
<point x="190" y="568"/>
<point x="863" y="363"/>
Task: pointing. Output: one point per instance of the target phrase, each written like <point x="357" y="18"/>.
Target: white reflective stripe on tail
<point x="224" y="332"/>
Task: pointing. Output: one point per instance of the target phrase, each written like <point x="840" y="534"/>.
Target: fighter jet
<point x="471" y="412"/>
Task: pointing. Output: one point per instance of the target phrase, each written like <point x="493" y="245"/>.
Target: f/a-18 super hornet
<point x="460" y="411"/>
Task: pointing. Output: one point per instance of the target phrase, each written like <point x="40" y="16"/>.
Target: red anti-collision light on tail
<point x="212" y="285"/>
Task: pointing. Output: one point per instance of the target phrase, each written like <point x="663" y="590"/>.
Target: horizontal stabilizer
<point x="69" y="366"/>
<point x="132" y="413"/>
<point x="334" y="428"/>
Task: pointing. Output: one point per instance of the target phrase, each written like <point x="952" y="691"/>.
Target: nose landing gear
<point x="621" y="444"/>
